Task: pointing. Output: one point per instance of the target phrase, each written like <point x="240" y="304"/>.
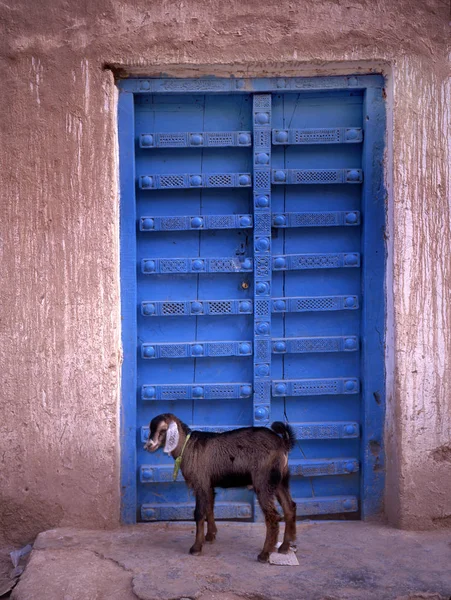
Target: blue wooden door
<point x="249" y="250"/>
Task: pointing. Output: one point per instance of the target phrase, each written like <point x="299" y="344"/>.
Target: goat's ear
<point x="172" y="438"/>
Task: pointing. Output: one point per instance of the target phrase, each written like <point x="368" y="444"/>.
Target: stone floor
<point x="337" y="561"/>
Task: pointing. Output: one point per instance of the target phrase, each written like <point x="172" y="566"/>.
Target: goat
<point x="252" y="456"/>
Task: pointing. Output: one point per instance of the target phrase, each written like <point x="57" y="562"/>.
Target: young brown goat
<point x="254" y="456"/>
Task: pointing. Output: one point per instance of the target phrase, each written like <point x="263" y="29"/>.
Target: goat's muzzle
<point x="151" y="446"/>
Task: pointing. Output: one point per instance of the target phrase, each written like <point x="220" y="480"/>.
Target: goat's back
<point x="234" y="458"/>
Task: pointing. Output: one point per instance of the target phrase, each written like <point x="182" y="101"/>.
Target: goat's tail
<point x="286" y="432"/>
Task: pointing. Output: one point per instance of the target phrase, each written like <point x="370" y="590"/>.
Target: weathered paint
<point x="61" y="356"/>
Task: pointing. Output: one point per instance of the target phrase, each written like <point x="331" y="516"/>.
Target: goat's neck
<point x="178" y="449"/>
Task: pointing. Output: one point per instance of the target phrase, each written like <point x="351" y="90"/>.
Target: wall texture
<point x="60" y="359"/>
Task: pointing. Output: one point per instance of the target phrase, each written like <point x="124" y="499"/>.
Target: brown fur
<point x="252" y="456"/>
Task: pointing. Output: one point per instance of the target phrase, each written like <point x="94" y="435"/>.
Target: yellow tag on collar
<point x="178" y="461"/>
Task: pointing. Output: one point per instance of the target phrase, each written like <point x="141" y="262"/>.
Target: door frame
<point x="373" y="306"/>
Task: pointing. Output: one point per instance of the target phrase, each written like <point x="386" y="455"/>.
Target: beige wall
<point x="60" y="322"/>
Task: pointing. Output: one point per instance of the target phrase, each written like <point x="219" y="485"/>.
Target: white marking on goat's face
<point x="157" y="437"/>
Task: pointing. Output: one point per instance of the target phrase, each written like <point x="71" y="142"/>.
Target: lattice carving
<point x="262" y="223"/>
<point x="220" y="307"/>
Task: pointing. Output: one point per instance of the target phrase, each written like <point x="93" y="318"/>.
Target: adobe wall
<point x="60" y="360"/>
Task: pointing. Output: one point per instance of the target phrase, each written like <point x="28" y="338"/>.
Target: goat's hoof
<point x="195" y="551"/>
<point x="210" y="537"/>
<point x="284" y="548"/>
<point x="263" y="557"/>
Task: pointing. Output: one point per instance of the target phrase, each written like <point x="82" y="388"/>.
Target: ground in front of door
<point x="151" y="562"/>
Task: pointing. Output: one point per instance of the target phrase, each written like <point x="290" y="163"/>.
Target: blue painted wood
<point x="200" y="196"/>
<point x="216" y="139"/>
<point x="314" y="303"/>
<point x="315" y="387"/>
<point x="185" y="511"/>
<point x="261" y="117"/>
<point x="154" y="266"/>
<point x="316" y="219"/>
<point x="316" y="176"/>
<point x="195" y="222"/>
<point x="373" y="334"/>
<point x="194" y="180"/>
<point x="196" y="349"/>
<point x="197" y="308"/>
<point x="341" y="343"/>
<point x="292" y="262"/>
<point x="331" y="135"/>
<point x="128" y="308"/>
<point x="227" y="86"/>
<point x="306" y="507"/>
<point x="218" y="391"/>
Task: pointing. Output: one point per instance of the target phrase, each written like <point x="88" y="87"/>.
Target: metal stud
<point x="197" y="307"/>
<point x="351" y="259"/>
<point x="147" y="140"/>
<point x="262" y="201"/>
<point x="147" y="224"/>
<point x="281" y="389"/>
<point x="262" y="158"/>
<point x="197" y="350"/>
<point x="263" y="244"/>
<point x="261" y="413"/>
<point x="147" y="182"/>
<point x="263" y="328"/>
<point x="245" y="349"/>
<point x="196" y="139"/>
<point x="280" y="176"/>
<point x="262" y="288"/>
<point x="245" y="306"/>
<point x="262" y="370"/>
<point x="351" y="218"/>
<point x="279" y="220"/>
<point x="148" y="308"/>
<point x="279" y="305"/>
<point x="262" y="118"/>
<point x="282" y="136"/>
<point x="198" y="265"/>
<point x="197" y="222"/>
<point x="280" y="347"/>
<point x="245" y="391"/>
<point x="244" y="139"/>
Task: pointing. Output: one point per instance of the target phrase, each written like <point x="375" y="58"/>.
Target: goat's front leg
<point x="200" y="513"/>
<point x="272" y="518"/>
<point x="211" y="525"/>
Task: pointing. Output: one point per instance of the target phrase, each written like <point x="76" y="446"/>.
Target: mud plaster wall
<point x="60" y="320"/>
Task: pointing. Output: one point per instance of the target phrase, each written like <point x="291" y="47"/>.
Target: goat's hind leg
<point x="211" y="525"/>
<point x="272" y="518"/>
<point x="200" y="513"/>
<point x="289" y="512"/>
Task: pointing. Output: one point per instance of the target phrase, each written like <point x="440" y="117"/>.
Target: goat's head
<point x="163" y="430"/>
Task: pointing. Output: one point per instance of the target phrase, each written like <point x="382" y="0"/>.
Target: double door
<point x="249" y="286"/>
